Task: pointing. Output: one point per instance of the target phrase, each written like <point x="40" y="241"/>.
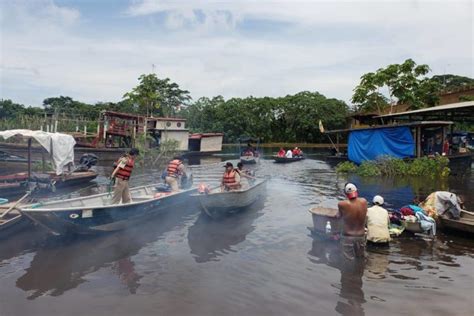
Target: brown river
<point x="262" y="261"/>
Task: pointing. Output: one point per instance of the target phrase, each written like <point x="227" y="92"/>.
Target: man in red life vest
<point x="230" y="179"/>
<point x="122" y="173"/>
<point x="174" y="171"/>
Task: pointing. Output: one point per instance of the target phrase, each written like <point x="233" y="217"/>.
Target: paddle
<point x="15" y="205"/>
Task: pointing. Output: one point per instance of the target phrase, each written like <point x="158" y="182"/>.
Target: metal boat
<point x="92" y="214"/>
<point x="217" y="203"/>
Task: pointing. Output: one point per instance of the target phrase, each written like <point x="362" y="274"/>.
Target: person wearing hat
<point x="122" y="172"/>
<point x="378" y="222"/>
<point x="174" y="171"/>
<point x="353" y="212"/>
<point x="230" y="179"/>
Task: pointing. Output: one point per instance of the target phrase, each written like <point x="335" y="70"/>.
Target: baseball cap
<point x="351" y="191"/>
<point x="378" y="200"/>
<point x="134" y="152"/>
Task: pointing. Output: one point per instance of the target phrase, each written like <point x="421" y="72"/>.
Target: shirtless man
<point x="353" y="212"/>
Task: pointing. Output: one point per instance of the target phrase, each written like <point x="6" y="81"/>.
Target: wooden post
<point x="43" y="161"/>
<point x="29" y="158"/>
<point x="418" y="142"/>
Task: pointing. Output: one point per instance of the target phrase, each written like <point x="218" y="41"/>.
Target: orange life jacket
<point x="125" y="172"/>
<point x="229" y="179"/>
<point x="172" y="169"/>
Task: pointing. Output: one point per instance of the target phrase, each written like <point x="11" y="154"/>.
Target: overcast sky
<point x="94" y="50"/>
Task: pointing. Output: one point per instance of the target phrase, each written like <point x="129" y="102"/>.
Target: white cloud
<point x="325" y="46"/>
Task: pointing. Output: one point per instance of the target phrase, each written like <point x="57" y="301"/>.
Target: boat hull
<point x="105" y="218"/>
<point x="465" y="224"/>
<point x="249" y="160"/>
<point x="287" y="160"/>
<point x="219" y="204"/>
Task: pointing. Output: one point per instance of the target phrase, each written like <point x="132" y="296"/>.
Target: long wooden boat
<point x="92" y="214"/>
<point x="286" y="160"/>
<point x="464" y="224"/>
<point x="216" y="203"/>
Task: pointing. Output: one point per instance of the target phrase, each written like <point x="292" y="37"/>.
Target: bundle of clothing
<point x="413" y="213"/>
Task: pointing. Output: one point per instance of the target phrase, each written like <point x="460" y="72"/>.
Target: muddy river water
<point x="260" y="262"/>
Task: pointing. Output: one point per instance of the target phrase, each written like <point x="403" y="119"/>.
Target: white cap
<point x="350" y="190"/>
<point x="378" y="200"/>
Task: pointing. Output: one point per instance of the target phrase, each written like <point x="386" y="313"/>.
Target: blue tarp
<point x="369" y="144"/>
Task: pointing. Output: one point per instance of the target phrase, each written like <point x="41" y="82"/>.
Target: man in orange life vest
<point x="122" y="173"/>
<point x="230" y="179"/>
<point x="174" y="171"/>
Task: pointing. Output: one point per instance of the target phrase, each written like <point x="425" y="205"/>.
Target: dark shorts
<point x="353" y="246"/>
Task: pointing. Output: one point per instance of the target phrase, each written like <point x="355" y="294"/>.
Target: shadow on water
<point x="62" y="264"/>
<point x="210" y="239"/>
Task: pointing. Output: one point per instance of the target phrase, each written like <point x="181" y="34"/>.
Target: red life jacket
<point x="125" y="172"/>
<point x="173" y="166"/>
<point x="229" y="179"/>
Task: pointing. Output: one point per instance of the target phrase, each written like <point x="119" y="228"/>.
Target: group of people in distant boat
<point x="249" y="151"/>
<point x="290" y="153"/>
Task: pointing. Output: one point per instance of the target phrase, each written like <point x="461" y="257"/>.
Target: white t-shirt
<point x="289" y="154"/>
<point x="377" y="224"/>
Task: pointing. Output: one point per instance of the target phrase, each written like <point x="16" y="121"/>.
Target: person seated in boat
<point x="230" y="179"/>
<point x="282" y="152"/>
<point x="443" y="203"/>
<point x="353" y="212"/>
<point x="174" y="172"/>
<point x="246" y="176"/>
<point x="446" y="147"/>
<point x="122" y="172"/>
<point x="378" y="222"/>
<point x="289" y="154"/>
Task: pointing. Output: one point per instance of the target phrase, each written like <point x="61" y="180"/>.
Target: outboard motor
<point x="86" y="162"/>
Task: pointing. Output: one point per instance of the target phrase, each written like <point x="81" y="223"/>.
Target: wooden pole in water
<point x="29" y="158"/>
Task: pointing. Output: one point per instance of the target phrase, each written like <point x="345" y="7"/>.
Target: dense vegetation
<point x="292" y="118"/>
<point x="388" y="166"/>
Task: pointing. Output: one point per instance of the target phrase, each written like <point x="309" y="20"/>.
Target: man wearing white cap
<point x="378" y="222"/>
<point x="353" y="212"/>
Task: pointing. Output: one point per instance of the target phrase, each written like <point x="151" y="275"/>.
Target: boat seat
<point x="140" y="198"/>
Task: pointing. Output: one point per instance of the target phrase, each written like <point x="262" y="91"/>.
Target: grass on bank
<point x="389" y="166"/>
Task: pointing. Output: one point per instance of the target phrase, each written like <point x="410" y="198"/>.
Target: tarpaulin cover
<point x="369" y="144"/>
<point x="60" y="146"/>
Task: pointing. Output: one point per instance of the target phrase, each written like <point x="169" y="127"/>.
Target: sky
<point x="95" y="50"/>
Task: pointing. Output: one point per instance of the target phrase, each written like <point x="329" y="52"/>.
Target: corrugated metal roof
<point x="411" y="124"/>
<point x="438" y="108"/>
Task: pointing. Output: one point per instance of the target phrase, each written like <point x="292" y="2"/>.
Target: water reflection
<point x="209" y="239"/>
<point x="351" y="293"/>
<point x="63" y="264"/>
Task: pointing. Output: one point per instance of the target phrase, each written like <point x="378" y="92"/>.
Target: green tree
<point x="9" y="109"/>
<point x="154" y="96"/>
<point x="406" y="84"/>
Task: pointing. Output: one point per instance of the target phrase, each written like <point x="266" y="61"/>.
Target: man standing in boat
<point x="353" y="212"/>
<point x="122" y="173"/>
<point x="174" y="172"/>
<point x="230" y="179"/>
